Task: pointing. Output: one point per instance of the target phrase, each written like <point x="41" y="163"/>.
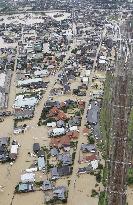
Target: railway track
<point x="119" y="151"/>
<point x="117" y="178"/>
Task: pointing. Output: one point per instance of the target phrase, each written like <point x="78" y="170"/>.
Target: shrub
<point x="78" y="113"/>
<point x="69" y="182"/>
<point x="38" y="184"/>
<point x="73" y="156"/>
<point x="130" y="176"/>
<point x="102" y="198"/>
<point x="100" y="166"/>
<point x="91" y="140"/>
<point x="98" y="177"/>
<point x="94" y="193"/>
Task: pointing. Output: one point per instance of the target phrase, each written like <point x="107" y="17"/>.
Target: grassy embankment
<point x="105" y="125"/>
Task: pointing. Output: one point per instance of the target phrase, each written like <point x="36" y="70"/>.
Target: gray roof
<point x="88" y="147"/>
<point x="47" y="185"/>
<point x="25" y="113"/>
<point x="54" y="151"/>
<point x="52" y="104"/>
<point x="25" y="187"/>
<point x="67" y="88"/>
<point x="4" y="141"/>
<point x="60" y="123"/>
<point x="40" y="153"/>
<point x="64" y="171"/>
<point x="96" y="130"/>
<point x="59" y="192"/>
<point x="54" y="173"/>
<point x="74" y="121"/>
<point x="92" y="114"/>
<point x="66" y="159"/>
<point x="41" y="162"/>
<point x="36" y="147"/>
<point x="85" y="169"/>
<point x="2" y="149"/>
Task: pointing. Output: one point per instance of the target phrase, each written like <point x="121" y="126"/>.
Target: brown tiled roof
<point x="73" y="134"/>
<point x="88" y="158"/>
<point x="60" y="141"/>
<point x="54" y="110"/>
<point x="91" y="157"/>
<point x="81" y="104"/>
<point x="61" y="115"/>
<point x="62" y="104"/>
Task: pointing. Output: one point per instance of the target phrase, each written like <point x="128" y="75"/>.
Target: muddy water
<point x="60" y="18"/>
<point x="28" y="19"/>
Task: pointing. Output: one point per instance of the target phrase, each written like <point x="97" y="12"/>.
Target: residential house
<point x="59" y="192"/>
<point x="88" y="148"/>
<point x="73" y="134"/>
<point x="92" y="114"/>
<point x="53" y="111"/>
<point x="54" y="152"/>
<point x="22" y="102"/>
<point x="4" y="141"/>
<point x="81" y="104"/>
<point x="28" y="177"/>
<point x="47" y="185"/>
<point x="4" y="154"/>
<point x="23" y="113"/>
<point x="65" y="171"/>
<point x="40" y="153"/>
<point x="74" y="121"/>
<point x="36" y="147"/>
<point x="41" y="73"/>
<point x="88" y="159"/>
<point x="87" y="169"/>
<point x="60" y="123"/>
<point x="66" y="158"/>
<point x="67" y="89"/>
<point x="29" y="82"/>
<point x="54" y="173"/>
<point x="14" y="151"/>
<point x="60" y="142"/>
<point x="94" y="164"/>
<point x="62" y="116"/>
<point x="50" y="104"/>
<point x="41" y="163"/>
<point x="25" y="187"/>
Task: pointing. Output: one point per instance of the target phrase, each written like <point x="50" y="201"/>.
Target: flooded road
<point x="10" y="175"/>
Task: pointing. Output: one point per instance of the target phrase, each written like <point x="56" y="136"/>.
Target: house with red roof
<point x="60" y="141"/>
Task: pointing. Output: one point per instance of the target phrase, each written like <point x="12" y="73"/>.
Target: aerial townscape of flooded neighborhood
<point x="66" y="102"/>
